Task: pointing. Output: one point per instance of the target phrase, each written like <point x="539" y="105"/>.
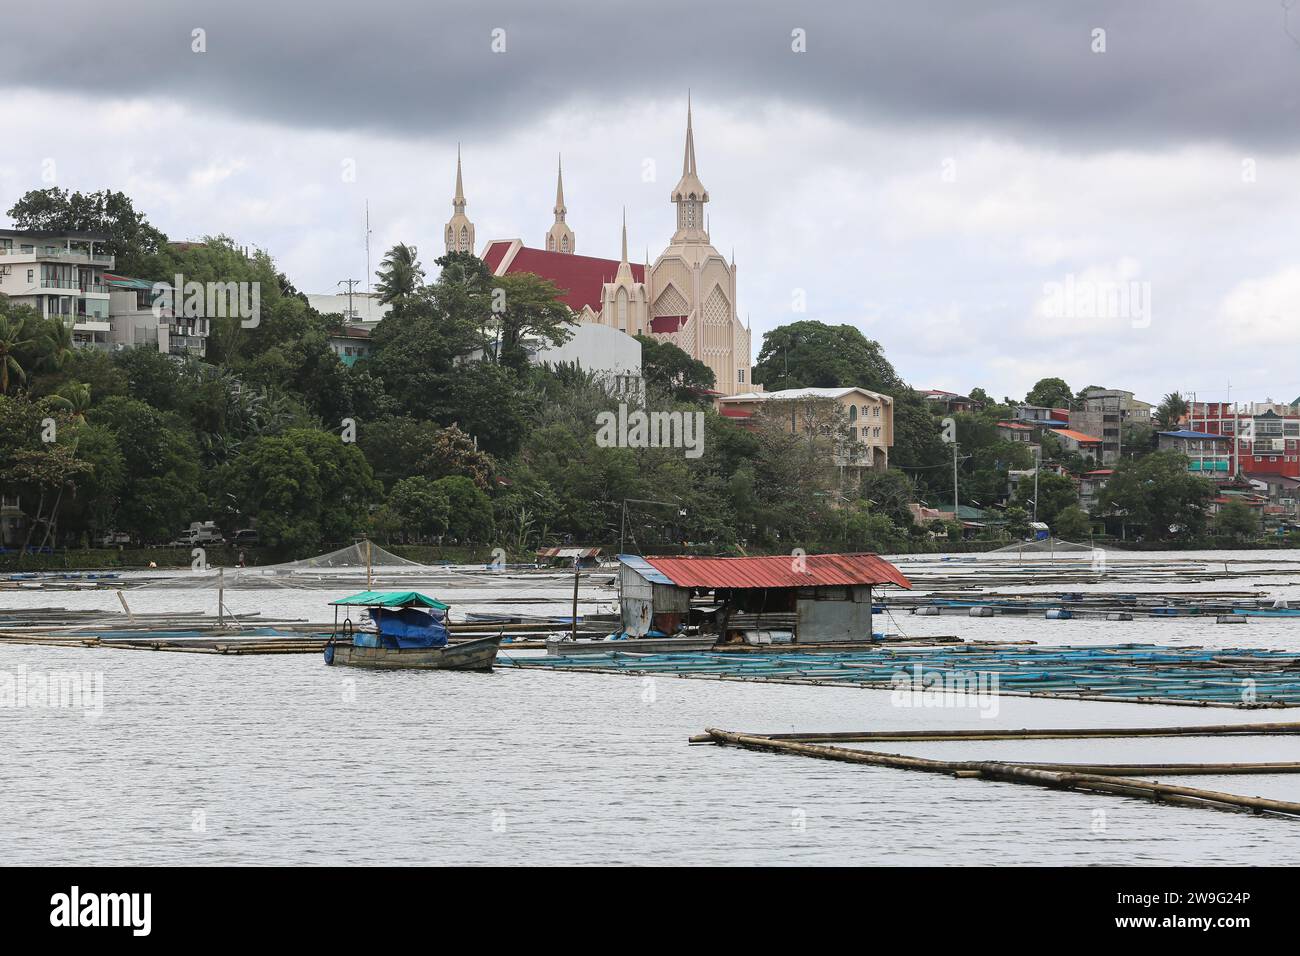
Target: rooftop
<point x="780" y="571"/>
<point x="799" y="394"/>
<point x="580" y="279"/>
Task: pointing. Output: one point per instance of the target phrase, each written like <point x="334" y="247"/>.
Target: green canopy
<point x="391" y="599"/>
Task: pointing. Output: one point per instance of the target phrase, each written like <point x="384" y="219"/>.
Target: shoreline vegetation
<point x="445" y="430"/>
<point x="227" y="556"/>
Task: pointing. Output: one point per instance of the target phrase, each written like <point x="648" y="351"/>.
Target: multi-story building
<point x="61" y="276"/>
<point x="1267" y="435"/>
<point x="1207" y="454"/>
<point x="1091" y="485"/>
<point x="1104" y="412"/>
<point x="951" y="402"/>
<point x="138" y="316"/>
<point x="866" y="418"/>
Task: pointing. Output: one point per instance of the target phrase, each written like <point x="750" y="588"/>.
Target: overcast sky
<point x="957" y="179"/>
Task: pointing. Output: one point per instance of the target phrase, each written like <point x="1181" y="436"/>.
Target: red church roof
<point x="579" y="278"/>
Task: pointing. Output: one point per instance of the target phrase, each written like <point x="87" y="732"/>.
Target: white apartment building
<point x="60" y="275"/>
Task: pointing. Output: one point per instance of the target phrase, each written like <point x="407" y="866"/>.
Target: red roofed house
<point x="687" y="297"/>
<point x="1078" y="441"/>
<point x="828" y="596"/>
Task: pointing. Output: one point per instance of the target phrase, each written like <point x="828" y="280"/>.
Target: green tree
<point x="161" y="487"/>
<point x="666" y="367"/>
<point x="1050" y="393"/>
<point x="1156" y="494"/>
<point x="469" y="510"/>
<point x="423" y="508"/>
<point x="1237" y="520"/>
<point x="811" y="354"/>
<point x="1056" y="493"/>
<point x="1072" y="524"/>
<point x="526" y="308"/>
<point x="304" y="487"/>
<point x="132" y="240"/>
<point x="1017" y="523"/>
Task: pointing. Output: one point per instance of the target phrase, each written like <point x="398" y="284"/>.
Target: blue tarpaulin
<point x="407" y="627"/>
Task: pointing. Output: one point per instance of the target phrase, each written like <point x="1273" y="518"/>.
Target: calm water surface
<point x="210" y="760"/>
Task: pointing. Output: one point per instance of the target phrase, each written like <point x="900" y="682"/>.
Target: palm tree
<point x="400" y="275"/>
<point x="11" y="342"/>
<point x="1171" y="408"/>
<point x="58" y="346"/>
<point x="72" y="397"/>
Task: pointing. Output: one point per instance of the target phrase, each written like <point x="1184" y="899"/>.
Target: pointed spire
<point x="624" y="259"/>
<point x="559" y="190"/>
<point x="688" y="158"/>
<point x="459" y="198"/>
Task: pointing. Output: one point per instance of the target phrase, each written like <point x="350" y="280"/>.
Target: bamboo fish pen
<point x="1111" y="779"/>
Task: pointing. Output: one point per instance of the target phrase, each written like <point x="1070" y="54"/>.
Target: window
<point x="564" y="244"/>
<point x="740" y="375"/>
<point x="853" y="414"/>
<point x="31" y="275"/>
<point x="621" y="306"/>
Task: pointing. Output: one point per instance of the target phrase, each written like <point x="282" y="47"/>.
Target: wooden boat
<point x="410" y="632"/>
<point x="477" y="655"/>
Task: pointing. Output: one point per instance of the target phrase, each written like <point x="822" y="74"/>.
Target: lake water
<point x="280" y="759"/>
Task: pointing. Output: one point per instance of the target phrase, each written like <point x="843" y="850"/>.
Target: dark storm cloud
<point x="1174" y="70"/>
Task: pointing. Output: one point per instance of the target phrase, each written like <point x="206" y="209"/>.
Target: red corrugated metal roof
<point x="780" y="571"/>
<point x="580" y="279"/>
<point x="1078" y="436"/>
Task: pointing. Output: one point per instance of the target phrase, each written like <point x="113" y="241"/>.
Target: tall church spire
<point x="624" y="267"/>
<point x="459" y="233"/>
<point x="560" y="238"/>
<point x="689" y="194"/>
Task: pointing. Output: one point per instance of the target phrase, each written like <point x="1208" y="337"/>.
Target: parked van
<point x="200" y="532"/>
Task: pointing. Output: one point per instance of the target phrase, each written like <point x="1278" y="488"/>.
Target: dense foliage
<point x="446" y="431"/>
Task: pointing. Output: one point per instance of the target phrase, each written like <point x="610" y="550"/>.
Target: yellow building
<point x="861" y="421"/>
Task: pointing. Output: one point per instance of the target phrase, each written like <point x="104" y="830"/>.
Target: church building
<point x="687" y="297"/>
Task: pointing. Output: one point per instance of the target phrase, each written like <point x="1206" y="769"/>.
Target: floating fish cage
<point x="1134" y="673"/>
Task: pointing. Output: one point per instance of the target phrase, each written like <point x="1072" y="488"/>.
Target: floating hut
<point x="815" y="598"/>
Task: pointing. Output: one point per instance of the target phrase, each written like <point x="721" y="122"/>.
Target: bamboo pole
<point x="1019" y="773"/>
<point x="1211" y="730"/>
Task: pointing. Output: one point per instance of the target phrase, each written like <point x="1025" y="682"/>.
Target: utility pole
<point x="1037" y="461"/>
<point x="351" y="284"/>
<point x="956" y="513"/>
<point x="368" y="247"/>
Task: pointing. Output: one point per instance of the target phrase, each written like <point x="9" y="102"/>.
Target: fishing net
<point x="1049" y="549"/>
<point x="363" y="561"/>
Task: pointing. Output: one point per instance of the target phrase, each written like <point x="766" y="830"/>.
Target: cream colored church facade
<point x="686" y="297"/>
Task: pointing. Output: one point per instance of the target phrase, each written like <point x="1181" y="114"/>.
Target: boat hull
<point x="477" y="655"/>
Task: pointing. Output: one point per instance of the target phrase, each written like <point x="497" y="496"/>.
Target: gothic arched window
<point x="622" y="310"/>
<point x="464" y="238"/>
<point x="564" y="243"/>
